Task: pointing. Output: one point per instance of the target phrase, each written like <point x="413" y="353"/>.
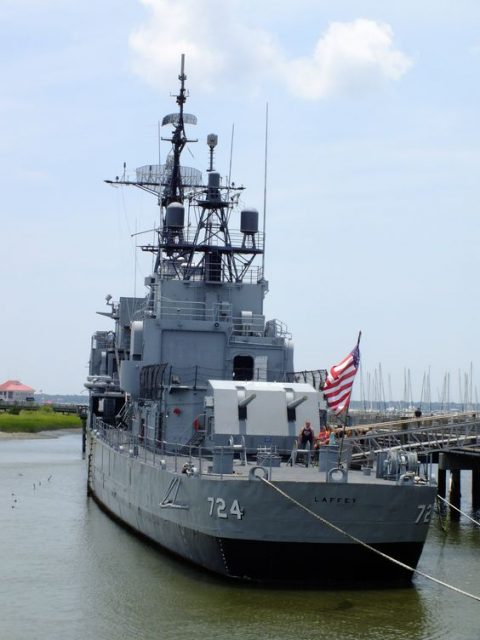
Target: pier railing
<point x="423" y="435"/>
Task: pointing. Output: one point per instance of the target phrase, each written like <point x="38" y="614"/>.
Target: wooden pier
<point x="427" y="436"/>
<point x="452" y="440"/>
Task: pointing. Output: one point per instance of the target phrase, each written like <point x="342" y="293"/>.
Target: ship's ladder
<point x="197" y="439"/>
<point x="124" y="414"/>
<point x="199" y="431"/>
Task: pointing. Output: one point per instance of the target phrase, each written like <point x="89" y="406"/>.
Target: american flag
<point x="338" y="386"/>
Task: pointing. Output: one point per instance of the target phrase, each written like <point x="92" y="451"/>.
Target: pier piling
<point x="442" y="482"/>
<point x="456" y="460"/>
<point x="476" y="489"/>
<point x="455" y="493"/>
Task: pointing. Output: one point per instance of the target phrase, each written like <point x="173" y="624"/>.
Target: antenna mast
<point x="173" y="192"/>
<point x="265" y="190"/>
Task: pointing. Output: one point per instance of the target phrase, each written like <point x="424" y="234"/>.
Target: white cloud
<point x="174" y="28"/>
<point x="348" y="56"/>
<point x="216" y="44"/>
<point x="221" y="45"/>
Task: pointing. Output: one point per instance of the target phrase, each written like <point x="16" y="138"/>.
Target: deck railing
<point x="180" y="457"/>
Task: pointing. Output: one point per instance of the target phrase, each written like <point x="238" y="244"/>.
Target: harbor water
<point x="69" y="572"/>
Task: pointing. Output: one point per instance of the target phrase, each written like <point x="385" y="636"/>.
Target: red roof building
<point x="15" y="391"/>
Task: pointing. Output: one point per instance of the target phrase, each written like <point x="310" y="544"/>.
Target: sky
<point x="373" y="157"/>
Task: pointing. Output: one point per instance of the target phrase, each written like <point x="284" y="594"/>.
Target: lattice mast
<point x="205" y="248"/>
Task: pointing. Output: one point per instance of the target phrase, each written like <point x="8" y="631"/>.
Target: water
<point x="69" y="572"/>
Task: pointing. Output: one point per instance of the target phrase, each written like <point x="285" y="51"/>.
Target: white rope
<point x="452" y="506"/>
<point x="367" y="546"/>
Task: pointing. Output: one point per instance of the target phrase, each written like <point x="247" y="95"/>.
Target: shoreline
<point x="47" y="434"/>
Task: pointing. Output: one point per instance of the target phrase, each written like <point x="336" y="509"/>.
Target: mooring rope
<point x="367" y="546"/>
<point x="452" y="506"/>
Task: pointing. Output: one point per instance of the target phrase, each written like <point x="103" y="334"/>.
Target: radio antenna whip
<point x="265" y="189"/>
<point x="230" y="166"/>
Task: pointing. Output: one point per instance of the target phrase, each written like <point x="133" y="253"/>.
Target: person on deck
<point x="322" y="437"/>
<point x="306" y="436"/>
<point x="320" y="441"/>
<point x="332" y="439"/>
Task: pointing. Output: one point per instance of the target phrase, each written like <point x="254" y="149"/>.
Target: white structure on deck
<point x="264" y="412"/>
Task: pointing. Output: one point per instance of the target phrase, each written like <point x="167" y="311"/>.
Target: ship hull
<point x="274" y="541"/>
<point x="330" y="565"/>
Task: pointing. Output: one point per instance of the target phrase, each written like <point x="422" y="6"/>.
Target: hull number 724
<point x="220" y="509"/>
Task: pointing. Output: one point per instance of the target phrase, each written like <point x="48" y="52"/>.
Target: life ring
<point x="196" y="424"/>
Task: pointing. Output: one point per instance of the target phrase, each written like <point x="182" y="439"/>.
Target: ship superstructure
<point x="203" y="316"/>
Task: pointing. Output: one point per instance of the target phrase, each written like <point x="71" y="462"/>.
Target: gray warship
<point x="195" y="410"/>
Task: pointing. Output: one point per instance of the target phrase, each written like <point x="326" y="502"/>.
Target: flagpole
<point x="340" y="450"/>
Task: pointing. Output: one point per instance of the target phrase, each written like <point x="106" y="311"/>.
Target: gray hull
<point x="271" y="539"/>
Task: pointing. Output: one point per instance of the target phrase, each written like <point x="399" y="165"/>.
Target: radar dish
<point x="173" y="118"/>
<point x="158" y="176"/>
